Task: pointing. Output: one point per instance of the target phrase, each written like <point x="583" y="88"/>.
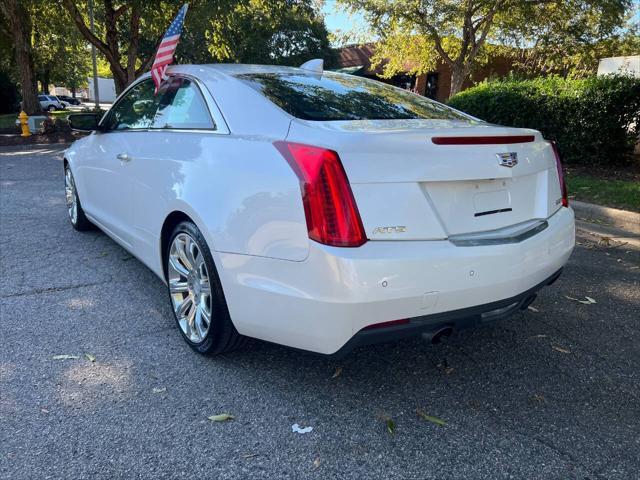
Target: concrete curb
<point x="629" y="221"/>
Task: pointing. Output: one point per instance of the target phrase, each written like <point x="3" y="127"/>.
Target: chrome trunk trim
<point x="511" y="234"/>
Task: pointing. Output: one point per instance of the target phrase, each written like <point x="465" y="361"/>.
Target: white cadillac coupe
<point x="319" y="210"/>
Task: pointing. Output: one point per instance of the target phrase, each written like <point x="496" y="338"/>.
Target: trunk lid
<point x="409" y="188"/>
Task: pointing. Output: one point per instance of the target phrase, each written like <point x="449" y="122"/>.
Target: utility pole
<point x="96" y="90"/>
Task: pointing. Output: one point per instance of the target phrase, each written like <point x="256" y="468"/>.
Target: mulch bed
<point x="628" y="171"/>
<point x="50" y="138"/>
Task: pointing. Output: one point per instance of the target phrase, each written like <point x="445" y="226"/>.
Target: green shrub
<point x="593" y="120"/>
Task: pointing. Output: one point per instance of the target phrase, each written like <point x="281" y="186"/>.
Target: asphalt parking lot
<point x="550" y="393"/>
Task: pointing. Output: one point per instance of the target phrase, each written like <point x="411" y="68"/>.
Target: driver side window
<point x="135" y="110"/>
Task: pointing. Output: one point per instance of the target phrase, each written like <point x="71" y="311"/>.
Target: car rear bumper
<point x="432" y="327"/>
<point x="323" y="304"/>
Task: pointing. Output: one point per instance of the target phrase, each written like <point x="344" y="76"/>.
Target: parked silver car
<point x="50" y="103"/>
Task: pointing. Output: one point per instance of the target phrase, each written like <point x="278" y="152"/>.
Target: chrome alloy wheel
<point x="189" y="287"/>
<point x="70" y="196"/>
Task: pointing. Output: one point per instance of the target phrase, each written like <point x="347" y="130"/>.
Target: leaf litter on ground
<point x="222" y="417"/>
<point x="298" y="429"/>
<point x="391" y="426"/>
<point x="587" y="301"/>
<point x="430" y="418"/>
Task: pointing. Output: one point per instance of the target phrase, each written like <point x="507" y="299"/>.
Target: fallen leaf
<point x="223" y="417"/>
<point x="391" y="426"/>
<point x="475" y="404"/>
<point x="316" y="463"/>
<point x="560" y="349"/>
<point x="65" y="357"/>
<point x="337" y="373"/>
<point x="449" y="370"/>
<point x="44" y="410"/>
<point x="538" y="397"/>
<point x="159" y="389"/>
<point x="90" y="357"/>
<point x="588" y="300"/>
<point x="533" y="309"/>
<point x="606" y="240"/>
<point x="429" y="418"/>
<point x="250" y="455"/>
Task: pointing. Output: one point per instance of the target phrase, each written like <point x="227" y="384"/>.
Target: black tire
<point x="221" y="336"/>
<point x="50" y="108"/>
<point x="81" y="222"/>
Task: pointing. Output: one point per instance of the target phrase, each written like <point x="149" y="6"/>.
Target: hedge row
<point x="593" y="120"/>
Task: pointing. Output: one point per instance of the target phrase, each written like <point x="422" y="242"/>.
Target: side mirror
<point x="84" y="122"/>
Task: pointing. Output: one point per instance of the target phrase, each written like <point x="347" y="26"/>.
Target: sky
<point x="337" y="19"/>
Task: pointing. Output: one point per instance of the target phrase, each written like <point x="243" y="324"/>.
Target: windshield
<point x="334" y="96"/>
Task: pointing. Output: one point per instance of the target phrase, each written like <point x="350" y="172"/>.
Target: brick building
<point x="356" y="60"/>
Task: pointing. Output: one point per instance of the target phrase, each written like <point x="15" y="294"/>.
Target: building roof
<point x="359" y="56"/>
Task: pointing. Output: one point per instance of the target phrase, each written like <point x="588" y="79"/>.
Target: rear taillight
<point x="563" y="185"/>
<point x="329" y="206"/>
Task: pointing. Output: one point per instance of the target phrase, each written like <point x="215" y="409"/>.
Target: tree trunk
<point x="45" y="81"/>
<point x="119" y="78"/>
<point x="110" y="47"/>
<point x="458" y="76"/>
<point x="20" y="27"/>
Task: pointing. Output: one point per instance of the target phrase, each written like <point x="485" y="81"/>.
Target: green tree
<point x="18" y="23"/>
<point x="421" y="33"/>
<point x="126" y="33"/>
<point x="61" y="54"/>
<point x="265" y="31"/>
<point x="569" y="41"/>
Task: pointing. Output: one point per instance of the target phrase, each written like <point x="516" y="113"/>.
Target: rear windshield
<point x="335" y="96"/>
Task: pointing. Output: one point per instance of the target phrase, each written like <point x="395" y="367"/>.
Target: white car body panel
<point x="321" y="303"/>
<point x="244" y="197"/>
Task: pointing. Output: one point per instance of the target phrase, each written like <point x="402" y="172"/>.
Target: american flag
<point x="164" y="55"/>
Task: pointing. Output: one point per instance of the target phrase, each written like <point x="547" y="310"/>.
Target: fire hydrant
<point x="24" y="125"/>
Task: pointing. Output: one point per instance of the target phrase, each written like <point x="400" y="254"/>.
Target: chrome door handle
<point x="123" y="157"/>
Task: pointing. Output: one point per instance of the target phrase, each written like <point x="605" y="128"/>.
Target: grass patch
<point x="623" y="194"/>
<point x="61" y="114"/>
<point x="8" y="120"/>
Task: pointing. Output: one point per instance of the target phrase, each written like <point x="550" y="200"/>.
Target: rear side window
<point x="42" y="98"/>
<point x="334" y="96"/>
<point x="182" y="106"/>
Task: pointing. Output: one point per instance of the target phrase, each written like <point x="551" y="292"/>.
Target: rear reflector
<point x="330" y="209"/>
<point x="492" y="140"/>
<point x="563" y="185"/>
<point x="392" y="323"/>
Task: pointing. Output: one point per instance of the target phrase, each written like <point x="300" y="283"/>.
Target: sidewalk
<point x="623" y="220"/>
